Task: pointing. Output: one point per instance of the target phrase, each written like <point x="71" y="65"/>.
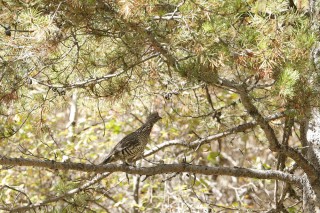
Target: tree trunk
<point x="311" y="123"/>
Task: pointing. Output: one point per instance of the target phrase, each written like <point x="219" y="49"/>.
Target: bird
<point x="131" y="147"/>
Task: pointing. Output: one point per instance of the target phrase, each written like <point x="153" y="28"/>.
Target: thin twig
<point x="95" y="180"/>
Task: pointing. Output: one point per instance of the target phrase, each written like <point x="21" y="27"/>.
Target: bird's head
<point x="153" y="117"/>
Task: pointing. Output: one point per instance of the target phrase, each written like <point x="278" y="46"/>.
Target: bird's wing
<point x="128" y="141"/>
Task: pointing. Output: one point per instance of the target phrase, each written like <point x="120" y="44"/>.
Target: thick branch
<point x="151" y="37"/>
<point x="263" y="123"/>
<point x="155" y="170"/>
<point x="275" y="146"/>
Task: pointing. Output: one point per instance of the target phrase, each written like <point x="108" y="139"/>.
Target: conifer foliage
<point x="234" y="81"/>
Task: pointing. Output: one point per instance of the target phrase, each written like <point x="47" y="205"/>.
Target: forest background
<point x="236" y="83"/>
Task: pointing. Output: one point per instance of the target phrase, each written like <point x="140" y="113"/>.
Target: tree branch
<point x="96" y="80"/>
<point x="106" y="193"/>
<point x="275" y="146"/>
<point x="71" y="192"/>
<point x="136" y="189"/>
<point x="81" y="84"/>
<point x="155" y="170"/>
<point x="263" y="123"/>
<point x="199" y="142"/>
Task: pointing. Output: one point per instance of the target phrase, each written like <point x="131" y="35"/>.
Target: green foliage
<point x="287" y="81"/>
<point x="292" y="209"/>
<point x="207" y="27"/>
<point x="113" y="126"/>
<point x="212" y="157"/>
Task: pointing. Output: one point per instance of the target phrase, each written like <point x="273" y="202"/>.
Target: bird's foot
<point x="125" y="163"/>
<point x="145" y="178"/>
<point x="127" y="178"/>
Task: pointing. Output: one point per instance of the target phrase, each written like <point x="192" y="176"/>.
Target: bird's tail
<point x="109" y="159"/>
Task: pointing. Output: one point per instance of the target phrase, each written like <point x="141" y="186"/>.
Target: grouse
<point x="131" y="147"/>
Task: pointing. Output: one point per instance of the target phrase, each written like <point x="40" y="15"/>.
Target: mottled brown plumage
<point x="131" y="147"/>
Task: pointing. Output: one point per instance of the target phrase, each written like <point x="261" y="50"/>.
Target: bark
<point x="311" y="124"/>
<point x="313" y="139"/>
<point x="154" y="170"/>
<point x="312" y="187"/>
